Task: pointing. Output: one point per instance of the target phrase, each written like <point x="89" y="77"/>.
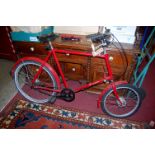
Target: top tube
<point x="75" y="52"/>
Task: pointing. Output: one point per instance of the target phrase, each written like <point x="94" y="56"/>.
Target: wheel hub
<point x="122" y="103"/>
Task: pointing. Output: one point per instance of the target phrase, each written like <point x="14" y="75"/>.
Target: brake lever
<point x="96" y="52"/>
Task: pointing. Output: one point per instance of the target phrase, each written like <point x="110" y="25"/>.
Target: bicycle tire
<point x="37" y="99"/>
<point x="142" y="93"/>
<point x="129" y="94"/>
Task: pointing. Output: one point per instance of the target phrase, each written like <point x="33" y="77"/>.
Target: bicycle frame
<point x="53" y="52"/>
<point x="108" y="77"/>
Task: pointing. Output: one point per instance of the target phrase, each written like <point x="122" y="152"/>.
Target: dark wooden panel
<point x="6" y="51"/>
<point x="4" y="40"/>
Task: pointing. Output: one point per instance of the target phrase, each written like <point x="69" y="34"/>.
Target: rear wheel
<point x="130" y="101"/>
<point x="36" y="92"/>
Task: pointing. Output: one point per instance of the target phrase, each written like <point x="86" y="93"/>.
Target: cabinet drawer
<point x="114" y="59"/>
<point x="34" y="48"/>
<point x="72" y="58"/>
<point x="74" y="71"/>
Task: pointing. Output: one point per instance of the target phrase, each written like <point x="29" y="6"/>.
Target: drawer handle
<point x="73" y="69"/>
<point x="111" y="58"/>
<point x="32" y="49"/>
<point x="67" y="54"/>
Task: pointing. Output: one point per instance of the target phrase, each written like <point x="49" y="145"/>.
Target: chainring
<point x="67" y="94"/>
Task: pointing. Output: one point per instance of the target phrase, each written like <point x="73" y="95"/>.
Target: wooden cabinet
<point x="77" y="67"/>
<point x="6" y="51"/>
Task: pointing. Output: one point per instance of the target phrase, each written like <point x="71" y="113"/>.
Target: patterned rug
<point x="25" y="115"/>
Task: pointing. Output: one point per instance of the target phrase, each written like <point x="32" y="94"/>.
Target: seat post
<point x="51" y="46"/>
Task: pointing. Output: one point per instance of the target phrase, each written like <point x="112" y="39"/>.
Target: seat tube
<point x="59" y="68"/>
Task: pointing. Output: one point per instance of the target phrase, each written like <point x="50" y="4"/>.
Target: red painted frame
<point x="53" y="52"/>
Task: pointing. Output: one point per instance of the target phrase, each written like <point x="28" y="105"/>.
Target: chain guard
<point x="67" y="95"/>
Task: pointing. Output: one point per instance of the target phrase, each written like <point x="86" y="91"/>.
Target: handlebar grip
<point x="95" y="36"/>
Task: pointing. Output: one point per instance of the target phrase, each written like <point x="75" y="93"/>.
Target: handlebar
<point x="96" y="37"/>
<point x="100" y="36"/>
<point x="104" y="38"/>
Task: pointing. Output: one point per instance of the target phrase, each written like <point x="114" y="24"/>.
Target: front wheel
<point x="128" y="103"/>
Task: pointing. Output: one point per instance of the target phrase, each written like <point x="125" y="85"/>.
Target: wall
<point x="82" y="30"/>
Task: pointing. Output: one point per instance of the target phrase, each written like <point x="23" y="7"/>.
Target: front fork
<point x="113" y="86"/>
<point x="116" y="94"/>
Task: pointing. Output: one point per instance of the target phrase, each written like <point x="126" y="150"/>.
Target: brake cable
<point x="124" y="53"/>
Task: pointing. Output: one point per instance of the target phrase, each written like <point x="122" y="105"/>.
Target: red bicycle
<point x="118" y="99"/>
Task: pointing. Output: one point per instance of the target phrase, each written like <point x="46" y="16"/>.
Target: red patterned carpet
<point x="25" y="115"/>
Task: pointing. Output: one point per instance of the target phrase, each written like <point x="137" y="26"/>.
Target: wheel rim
<point x="23" y="83"/>
<point x="128" y="96"/>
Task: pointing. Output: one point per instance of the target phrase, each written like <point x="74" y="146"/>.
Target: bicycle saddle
<point x="46" y="38"/>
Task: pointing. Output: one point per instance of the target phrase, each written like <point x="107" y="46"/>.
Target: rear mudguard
<point x="39" y="61"/>
<point x="107" y="89"/>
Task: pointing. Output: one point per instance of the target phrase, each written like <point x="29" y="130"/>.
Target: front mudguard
<point x="34" y="59"/>
<point x="107" y="89"/>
